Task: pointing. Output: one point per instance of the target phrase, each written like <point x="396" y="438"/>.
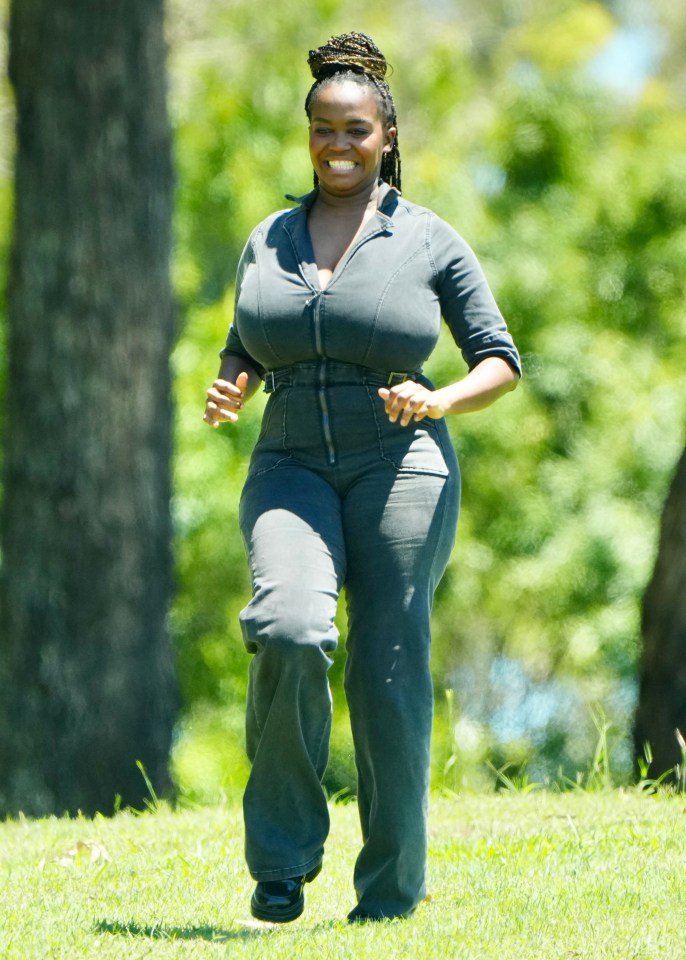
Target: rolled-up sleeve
<point x="467" y="303"/>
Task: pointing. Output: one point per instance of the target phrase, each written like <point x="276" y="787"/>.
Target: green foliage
<point x="573" y="200"/>
<point x="211" y="569"/>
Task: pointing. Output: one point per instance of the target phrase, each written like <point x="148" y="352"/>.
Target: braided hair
<point x="355" y="56"/>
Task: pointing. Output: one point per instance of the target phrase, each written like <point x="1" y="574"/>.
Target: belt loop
<point x="269" y="382"/>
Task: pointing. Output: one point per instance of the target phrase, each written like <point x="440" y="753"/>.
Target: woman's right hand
<point x="225" y="400"/>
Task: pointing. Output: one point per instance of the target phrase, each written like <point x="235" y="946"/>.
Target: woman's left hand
<point x="409" y="401"/>
<point x="489" y="379"/>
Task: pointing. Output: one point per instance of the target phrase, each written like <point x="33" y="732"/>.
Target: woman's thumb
<point x="242" y="381"/>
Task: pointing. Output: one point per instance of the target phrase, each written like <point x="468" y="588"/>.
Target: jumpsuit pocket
<point x="416" y="448"/>
<point x="271" y="449"/>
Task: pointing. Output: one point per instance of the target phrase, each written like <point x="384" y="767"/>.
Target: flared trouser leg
<point x="397" y="547"/>
<point x="387" y="535"/>
<point x="291" y="522"/>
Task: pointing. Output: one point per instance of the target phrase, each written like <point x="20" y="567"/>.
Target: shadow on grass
<point x="210" y="933"/>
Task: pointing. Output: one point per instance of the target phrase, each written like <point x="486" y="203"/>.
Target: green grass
<point x="512" y="876"/>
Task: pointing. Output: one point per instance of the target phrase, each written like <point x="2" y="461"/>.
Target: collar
<point x="388" y="196"/>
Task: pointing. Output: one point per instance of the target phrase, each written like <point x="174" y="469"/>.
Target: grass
<point x="513" y="875"/>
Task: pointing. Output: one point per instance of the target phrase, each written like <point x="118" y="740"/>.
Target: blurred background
<point x="552" y="135"/>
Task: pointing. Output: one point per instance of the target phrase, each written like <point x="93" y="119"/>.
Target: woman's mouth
<point x="341" y="164"/>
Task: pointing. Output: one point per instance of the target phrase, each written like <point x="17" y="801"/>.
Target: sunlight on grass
<point x="512" y="875"/>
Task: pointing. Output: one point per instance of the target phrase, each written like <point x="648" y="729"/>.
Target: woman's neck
<point x="354" y="203"/>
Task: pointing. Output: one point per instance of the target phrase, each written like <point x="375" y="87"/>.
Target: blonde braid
<point x="355" y="56"/>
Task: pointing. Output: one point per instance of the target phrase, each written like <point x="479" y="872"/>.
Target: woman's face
<point x="347" y="138"/>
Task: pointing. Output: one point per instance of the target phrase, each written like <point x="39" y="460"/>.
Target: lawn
<point x="512" y="876"/>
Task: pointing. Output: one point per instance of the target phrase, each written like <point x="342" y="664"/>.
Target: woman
<point x="353" y="482"/>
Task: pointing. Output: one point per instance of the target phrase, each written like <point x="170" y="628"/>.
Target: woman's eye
<point x="359" y="132"/>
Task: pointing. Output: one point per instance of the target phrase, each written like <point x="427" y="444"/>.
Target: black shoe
<point x="280" y="901"/>
<point x="361" y="916"/>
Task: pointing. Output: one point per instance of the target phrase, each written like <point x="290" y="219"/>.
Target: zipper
<point x="315" y="301"/>
<point x="321" y="392"/>
<point x="324" y="407"/>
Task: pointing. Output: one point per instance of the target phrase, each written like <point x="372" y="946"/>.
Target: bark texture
<point x="87" y="674"/>
<point x="662" y="696"/>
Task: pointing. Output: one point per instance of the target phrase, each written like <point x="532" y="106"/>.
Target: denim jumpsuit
<point x="337" y="495"/>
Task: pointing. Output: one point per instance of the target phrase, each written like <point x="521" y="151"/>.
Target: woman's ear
<point x="390" y="139"/>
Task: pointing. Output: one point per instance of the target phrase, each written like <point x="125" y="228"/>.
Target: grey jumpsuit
<point x="336" y="495"/>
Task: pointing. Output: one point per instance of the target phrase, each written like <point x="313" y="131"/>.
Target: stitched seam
<point x="296" y="258"/>
<point x="398" y="466"/>
<point x="286" y="395"/>
<point x="382" y="298"/>
<point x="428" y="248"/>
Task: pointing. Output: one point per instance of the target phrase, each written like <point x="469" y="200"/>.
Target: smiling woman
<point x="348" y="138"/>
<point x="353" y="482"/>
<point x="348" y="142"/>
<point x="355" y="59"/>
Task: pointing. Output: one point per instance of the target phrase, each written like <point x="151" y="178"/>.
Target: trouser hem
<point x="286" y="873"/>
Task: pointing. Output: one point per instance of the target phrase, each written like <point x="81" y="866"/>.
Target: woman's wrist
<point x="482" y="386"/>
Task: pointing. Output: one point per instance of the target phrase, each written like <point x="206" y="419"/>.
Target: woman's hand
<point x="412" y="401"/>
<point x="225" y="400"/>
<point x="488" y="380"/>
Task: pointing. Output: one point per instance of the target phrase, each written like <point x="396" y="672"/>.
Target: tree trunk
<point x="87" y="677"/>
<point x="662" y="697"/>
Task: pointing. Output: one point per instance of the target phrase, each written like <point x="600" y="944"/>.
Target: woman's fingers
<point x="216" y="413"/>
<point x="225" y="400"/>
<point x="405" y="402"/>
<point x="209" y="415"/>
<point x="234" y="390"/>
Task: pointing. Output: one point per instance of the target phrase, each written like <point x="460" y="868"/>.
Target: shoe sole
<point x="282" y="917"/>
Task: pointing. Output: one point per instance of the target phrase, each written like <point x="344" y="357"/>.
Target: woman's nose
<point x="340" y="141"/>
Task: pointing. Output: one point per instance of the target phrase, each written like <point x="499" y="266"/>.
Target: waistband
<point x="329" y="373"/>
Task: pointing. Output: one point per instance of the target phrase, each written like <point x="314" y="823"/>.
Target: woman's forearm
<point x="482" y="386"/>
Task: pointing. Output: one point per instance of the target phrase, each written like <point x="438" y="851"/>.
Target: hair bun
<point x="348" y="51"/>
